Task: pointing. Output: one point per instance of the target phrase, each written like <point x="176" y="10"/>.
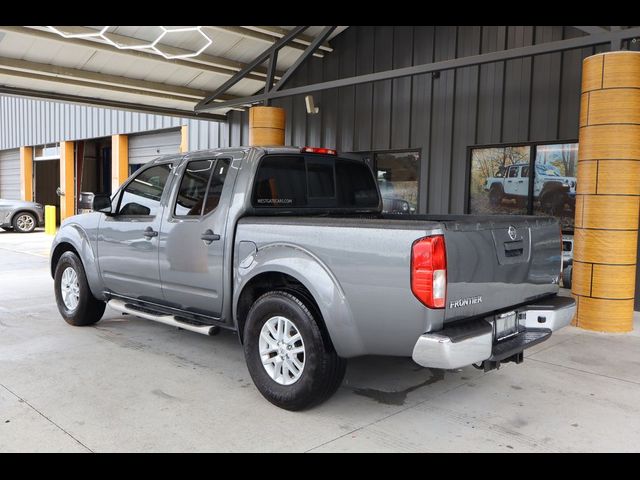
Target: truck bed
<point x="370" y="259"/>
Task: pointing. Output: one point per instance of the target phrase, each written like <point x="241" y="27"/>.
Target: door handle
<point x="150" y="233"/>
<point x="520" y="181"/>
<point x="208" y="236"/>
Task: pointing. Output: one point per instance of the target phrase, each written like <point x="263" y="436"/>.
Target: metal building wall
<point x="144" y="147"/>
<point x="28" y="121"/>
<point x="528" y="99"/>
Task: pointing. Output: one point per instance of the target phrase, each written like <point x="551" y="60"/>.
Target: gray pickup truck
<point x="288" y="247"/>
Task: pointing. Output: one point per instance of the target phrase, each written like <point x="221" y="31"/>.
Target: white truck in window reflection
<point x="391" y="201"/>
<point x="550" y="188"/>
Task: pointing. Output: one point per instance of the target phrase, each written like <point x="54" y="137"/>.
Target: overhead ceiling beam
<point x="102" y="80"/>
<point x="202" y="62"/>
<point x="264" y="37"/>
<point x="313" y="46"/>
<point x="82" y="83"/>
<point x="280" y="32"/>
<point x="216" y="95"/>
<point x="592" y="30"/>
<point x="532" y="50"/>
<point x="100" y="102"/>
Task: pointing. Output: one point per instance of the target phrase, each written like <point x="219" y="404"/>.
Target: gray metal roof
<point x="36" y="58"/>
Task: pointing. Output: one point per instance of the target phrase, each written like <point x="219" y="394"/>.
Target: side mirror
<point x="102" y="203"/>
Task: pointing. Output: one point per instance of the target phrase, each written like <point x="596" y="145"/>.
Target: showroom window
<point x="532" y="178"/>
<point x="398" y="176"/>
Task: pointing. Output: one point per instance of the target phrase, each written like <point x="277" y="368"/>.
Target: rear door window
<point x="201" y="187"/>
<point x="193" y="188"/>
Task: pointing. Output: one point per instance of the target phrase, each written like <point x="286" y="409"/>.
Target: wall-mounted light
<point x="311" y="108"/>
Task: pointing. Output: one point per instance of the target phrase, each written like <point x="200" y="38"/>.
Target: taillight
<point x="325" y="151"/>
<point x="429" y="271"/>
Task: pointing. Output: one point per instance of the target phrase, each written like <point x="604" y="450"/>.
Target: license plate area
<point x="505" y="325"/>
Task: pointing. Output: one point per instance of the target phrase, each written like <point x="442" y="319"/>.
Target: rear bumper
<point x="472" y="342"/>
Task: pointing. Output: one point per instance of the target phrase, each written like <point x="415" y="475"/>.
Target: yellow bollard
<point x="50" y="219"/>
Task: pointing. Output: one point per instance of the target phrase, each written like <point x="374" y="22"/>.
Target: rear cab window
<point x="285" y="182"/>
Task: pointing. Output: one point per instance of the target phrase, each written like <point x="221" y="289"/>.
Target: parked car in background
<point x="550" y="188"/>
<point x="289" y="248"/>
<point x="20" y="216"/>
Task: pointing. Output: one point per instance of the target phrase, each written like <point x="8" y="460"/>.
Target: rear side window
<point x="142" y="195"/>
<point x="313" y="181"/>
<point x="193" y="188"/>
<point x="201" y="187"/>
<point x="215" y="187"/>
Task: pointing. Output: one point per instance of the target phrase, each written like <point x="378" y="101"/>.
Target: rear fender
<point x="311" y="272"/>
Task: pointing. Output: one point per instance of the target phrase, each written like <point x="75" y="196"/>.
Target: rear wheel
<point x="495" y="196"/>
<point x="76" y="303"/>
<point x="553" y="202"/>
<point x="24" y="222"/>
<point x="289" y="361"/>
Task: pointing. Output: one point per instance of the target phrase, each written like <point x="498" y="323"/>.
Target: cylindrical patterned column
<point x="266" y="126"/>
<point x="608" y="192"/>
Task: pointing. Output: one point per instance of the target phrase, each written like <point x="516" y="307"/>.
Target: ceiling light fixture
<point x="62" y="33"/>
<point x="148" y="45"/>
<point x="208" y="41"/>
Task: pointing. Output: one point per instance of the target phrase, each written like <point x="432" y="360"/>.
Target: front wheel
<point x="289" y="361"/>
<point x="24" y="222"/>
<point x="76" y="303"/>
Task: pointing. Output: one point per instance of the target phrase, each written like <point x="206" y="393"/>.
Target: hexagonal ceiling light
<point x="66" y="34"/>
<point x="143" y="45"/>
<point x="166" y="31"/>
<point x="139" y="44"/>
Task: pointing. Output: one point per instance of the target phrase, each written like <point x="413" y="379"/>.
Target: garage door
<point x="10" y="174"/>
<point x="145" y="147"/>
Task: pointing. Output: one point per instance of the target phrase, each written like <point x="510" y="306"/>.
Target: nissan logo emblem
<point x="513" y="233"/>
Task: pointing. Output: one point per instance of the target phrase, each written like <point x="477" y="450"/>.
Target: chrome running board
<point x="124" y="307"/>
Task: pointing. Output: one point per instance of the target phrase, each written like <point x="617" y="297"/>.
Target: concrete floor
<point x="128" y="384"/>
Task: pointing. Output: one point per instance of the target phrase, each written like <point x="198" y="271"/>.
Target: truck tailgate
<point x="497" y="262"/>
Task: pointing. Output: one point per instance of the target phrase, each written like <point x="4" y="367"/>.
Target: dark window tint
<point x="524" y="172"/>
<point x="142" y="195"/>
<point x="314" y="181"/>
<point x="193" y="187"/>
<point x="513" y="172"/>
<point x="281" y="182"/>
<point x="320" y="179"/>
<point x="215" y="187"/>
<point x="356" y="186"/>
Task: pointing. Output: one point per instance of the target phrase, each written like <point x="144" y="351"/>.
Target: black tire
<point x="566" y="276"/>
<point x="553" y="202"/>
<point x="323" y="369"/>
<point x="496" y="194"/>
<point x="89" y="309"/>
<point x="24" y="222"/>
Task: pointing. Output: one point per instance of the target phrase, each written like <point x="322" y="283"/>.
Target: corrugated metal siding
<point x="10" y="174"/>
<point x="147" y="146"/>
<point x="519" y="100"/>
<point x="28" y="121"/>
